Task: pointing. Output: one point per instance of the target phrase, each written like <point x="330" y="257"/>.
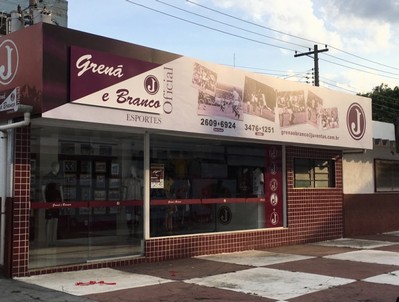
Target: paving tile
<point x="387" y="237"/>
<point x="183" y="268"/>
<point x="356" y="243"/>
<point x="394" y="233"/>
<point x="15" y="291"/>
<point x="176" y="292"/>
<point x="271" y="283"/>
<point x="336" y="268"/>
<point x="369" y="256"/>
<point x="92" y="281"/>
<point x="313" y="250"/>
<point x="391" y="278"/>
<point x="254" y="258"/>
<point x="353" y="292"/>
<point x="391" y="248"/>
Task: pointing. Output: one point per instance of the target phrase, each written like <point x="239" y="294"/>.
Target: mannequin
<point x="132" y="190"/>
<point x="258" y="182"/>
<point x="52" y="191"/>
<point x="171" y="210"/>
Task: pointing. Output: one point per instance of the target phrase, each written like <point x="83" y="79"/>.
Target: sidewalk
<point x="354" y="269"/>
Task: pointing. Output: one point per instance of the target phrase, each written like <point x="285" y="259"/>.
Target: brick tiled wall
<point x="313" y="215"/>
<point x="21" y="202"/>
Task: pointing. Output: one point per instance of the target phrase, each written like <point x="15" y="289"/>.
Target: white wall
<point x="358" y="167"/>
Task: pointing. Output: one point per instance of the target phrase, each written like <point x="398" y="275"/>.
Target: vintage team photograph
<point x="259" y="99"/>
<point x="227" y="102"/>
<point x="291" y="108"/>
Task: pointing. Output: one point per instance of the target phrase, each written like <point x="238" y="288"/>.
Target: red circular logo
<point x="151" y="84"/>
<point x="356" y="121"/>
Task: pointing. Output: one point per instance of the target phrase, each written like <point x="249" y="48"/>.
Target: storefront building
<point x="371" y="185"/>
<point x="133" y="154"/>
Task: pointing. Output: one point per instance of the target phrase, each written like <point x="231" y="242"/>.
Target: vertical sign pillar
<point x="274" y="209"/>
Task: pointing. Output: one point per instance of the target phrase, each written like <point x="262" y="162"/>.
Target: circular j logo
<point x="225" y="215"/>
<point x="151" y="84"/>
<point x="9" y="60"/>
<point x="273" y="168"/>
<point x="356" y="121"/>
<point x="274" y="218"/>
<point x="273" y="184"/>
<point x="273" y="152"/>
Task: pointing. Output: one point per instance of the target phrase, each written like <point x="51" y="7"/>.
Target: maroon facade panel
<point x="24" y="63"/>
<point x="370" y="213"/>
<point x="312" y="215"/>
<point x="57" y="44"/>
<point x="42" y="71"/>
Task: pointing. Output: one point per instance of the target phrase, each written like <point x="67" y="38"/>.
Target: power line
<point x="259" y="68"/>
<point x="387" y="99"/>
<point x="249" y="22"/>
<point x="230" y="25"/>
<point x="388" y="109"/>
<point x="335" y="84"/>
<point x="359" y="57"/>
<point x="361" y="65"/>
<point x="254" y="40"/>
<point x="289" y="35"/>
<point x="211" y="28"/>
<point x="304" y="74"/>
<point x="271" y="72"/>
<point x="357" y="69"/>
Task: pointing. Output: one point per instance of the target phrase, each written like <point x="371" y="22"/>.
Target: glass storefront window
<point x="87" y="191"/>
<point x="86" y="195"/>
<point x="200" y="186"/>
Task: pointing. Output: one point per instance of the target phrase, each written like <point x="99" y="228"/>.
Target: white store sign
<point x="188" y="95"/>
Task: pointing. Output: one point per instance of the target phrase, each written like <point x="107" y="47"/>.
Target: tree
<point x="385" y="103"/>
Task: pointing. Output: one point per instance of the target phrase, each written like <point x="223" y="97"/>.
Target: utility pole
<point x="315" y="54"/>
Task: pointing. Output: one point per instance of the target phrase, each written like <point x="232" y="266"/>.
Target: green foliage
<point x="385" y="103"/>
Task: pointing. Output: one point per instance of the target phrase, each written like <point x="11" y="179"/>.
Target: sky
<point x="362" y="36"/>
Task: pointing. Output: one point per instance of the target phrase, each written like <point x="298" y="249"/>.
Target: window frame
<point x="311" y="167"/>
<point x="391" y="165"/>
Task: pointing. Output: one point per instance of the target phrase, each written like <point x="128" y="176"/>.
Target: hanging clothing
<point x="133" y="187"/>
<point x="53" y="185"/>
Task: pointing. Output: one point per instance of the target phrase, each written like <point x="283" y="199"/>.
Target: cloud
<point x="386" y="11"/>
<point x="360" y="27"/>
<point x="358" y="32"/>
<point x="352" y="25"/>
<point x="365" y="82"/>
<point x="297" y="18"/>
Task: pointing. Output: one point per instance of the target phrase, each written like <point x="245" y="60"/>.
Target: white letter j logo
<point x="355" y="125"/>
<point x="8" y="67"/>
